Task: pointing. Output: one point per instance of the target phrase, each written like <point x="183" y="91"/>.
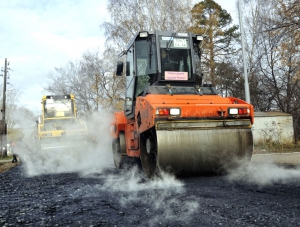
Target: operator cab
<point x="161" y="62"/>
<point x="58" y="106"/>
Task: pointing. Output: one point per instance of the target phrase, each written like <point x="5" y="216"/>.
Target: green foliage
<point x="214" y="23"/>
<point x="5" y="158"/>
<point x="208" y="15"/>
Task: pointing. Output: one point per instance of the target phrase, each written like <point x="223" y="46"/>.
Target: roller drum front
<point x="200" y="151"/>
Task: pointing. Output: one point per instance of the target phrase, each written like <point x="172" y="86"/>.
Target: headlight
<point x="238" y="111"/>
<point x="143" y="34"/>
<point x="168" y="111"/>
<point x="175" y="111"/>
<point x="199" y="37"/>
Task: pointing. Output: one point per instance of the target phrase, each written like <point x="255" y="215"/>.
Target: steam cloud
<point x="131" y="185"/>
<point x="87" y="159"/>
<point x="265" y="172"/>
<point x="160" y="195"/>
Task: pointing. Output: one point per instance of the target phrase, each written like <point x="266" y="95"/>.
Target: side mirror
<point x="119" y="68"/>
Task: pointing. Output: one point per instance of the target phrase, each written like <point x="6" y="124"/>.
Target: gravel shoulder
<point x="278" y="158"/>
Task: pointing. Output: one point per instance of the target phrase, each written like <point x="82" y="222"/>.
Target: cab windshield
<point x="175" y="58"/>
<point x="58" y="108"/>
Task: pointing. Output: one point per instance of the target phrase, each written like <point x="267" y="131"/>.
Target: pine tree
<point x="210" y="20"/>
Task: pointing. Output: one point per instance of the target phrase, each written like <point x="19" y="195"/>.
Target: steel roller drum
<point x="200" y="151"/>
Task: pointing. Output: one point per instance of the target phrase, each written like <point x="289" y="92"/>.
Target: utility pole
<point x="247" y="93"/>
<point x="3" y="124"/>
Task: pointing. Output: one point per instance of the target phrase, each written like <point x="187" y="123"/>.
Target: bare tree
<point x="11" y="107"/>
<point x="230" y="79"/>
<point x="289" y="26"/>
<point x="91" y="80"/>
<point x="20" y="120"/>
<point x="106" y="89"/>
<point x="289" y="10"/>
<point x="127" y="18"/>
<point x="273" y="54"/>
<point x="70" y="80"/>
<point x="276" y="57"/>
<point x="130" y="16"/>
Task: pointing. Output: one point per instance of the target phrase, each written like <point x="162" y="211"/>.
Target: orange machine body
<point x="193" y="108"/>
<point x="172" y="121"/>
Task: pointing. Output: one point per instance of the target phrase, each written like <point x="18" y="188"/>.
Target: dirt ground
<point x="4" y="166"/>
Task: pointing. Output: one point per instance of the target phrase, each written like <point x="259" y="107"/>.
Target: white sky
<point x="38" y="35"/>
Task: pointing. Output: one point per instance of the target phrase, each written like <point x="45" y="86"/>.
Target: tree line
<point x="272" y="35"/>
<point x="19" y="119"/>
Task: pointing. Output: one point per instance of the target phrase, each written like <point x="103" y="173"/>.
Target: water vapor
<point x="93" y="157"/>
<point x="265" y="173"/>
<point x="165" y="196"/>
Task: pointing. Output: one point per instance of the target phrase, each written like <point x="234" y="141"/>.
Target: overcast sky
<point x="38" y="35"/>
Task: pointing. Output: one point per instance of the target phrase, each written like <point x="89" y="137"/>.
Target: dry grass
<point x="6" y="163"/>
<point x="263" y="148"/>
<point x="4" y="166"/>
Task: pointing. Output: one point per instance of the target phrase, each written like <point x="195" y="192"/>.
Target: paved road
<point x="265" y="194"/>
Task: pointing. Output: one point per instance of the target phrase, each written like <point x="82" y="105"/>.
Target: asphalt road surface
<point x="265" y="194"/>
